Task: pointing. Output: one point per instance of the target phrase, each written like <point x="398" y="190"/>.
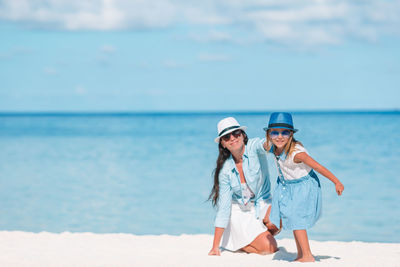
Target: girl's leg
<point x="264" y="243"/>
<point x="304" y="254"/>
<point x="299" y="252"/>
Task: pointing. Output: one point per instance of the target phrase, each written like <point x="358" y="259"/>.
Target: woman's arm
<point x="224" y="206"/>
<point x="306" y="159"/>
<point x="217" y="239"/>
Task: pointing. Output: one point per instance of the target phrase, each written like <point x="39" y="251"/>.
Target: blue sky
<point x="165" y="55"/>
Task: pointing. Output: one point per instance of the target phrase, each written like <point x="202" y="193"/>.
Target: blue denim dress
<point x="296" y="200"/>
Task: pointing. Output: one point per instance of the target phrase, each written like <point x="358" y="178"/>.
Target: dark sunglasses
<point x="235" y="134"/>
<point x="275" y="134"/>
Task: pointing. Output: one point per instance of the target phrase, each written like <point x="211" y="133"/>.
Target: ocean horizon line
<point x="193" y="113"/>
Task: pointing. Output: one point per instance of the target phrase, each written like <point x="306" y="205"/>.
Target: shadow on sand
<point x="283" y="255"/>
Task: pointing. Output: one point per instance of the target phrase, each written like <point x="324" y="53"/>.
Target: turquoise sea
<point x="151" y="173"/>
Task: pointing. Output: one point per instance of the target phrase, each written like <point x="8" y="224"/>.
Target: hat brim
<point x="244" y="128"/>
<point x="280" y="127"/>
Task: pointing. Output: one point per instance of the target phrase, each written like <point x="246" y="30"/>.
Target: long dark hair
<point x="223" y="155"/>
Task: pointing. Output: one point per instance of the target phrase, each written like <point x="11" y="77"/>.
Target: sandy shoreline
<point x="88" y="249"/>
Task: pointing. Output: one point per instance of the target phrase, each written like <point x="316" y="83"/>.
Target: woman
<point x="241" y="192"/>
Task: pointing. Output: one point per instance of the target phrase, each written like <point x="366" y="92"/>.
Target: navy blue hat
<point x="280" y="120"/>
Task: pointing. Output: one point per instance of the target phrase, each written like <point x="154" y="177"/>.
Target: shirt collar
<point x="245" y="152"/>
<point x="282" y="156"/>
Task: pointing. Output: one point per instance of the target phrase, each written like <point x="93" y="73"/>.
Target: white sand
<point x="88" y="249"/>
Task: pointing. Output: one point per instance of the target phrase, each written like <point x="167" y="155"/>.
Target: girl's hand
<point x="214" y="251"/>
<point x="339" y="188"/>
<point x="306" y="159"/>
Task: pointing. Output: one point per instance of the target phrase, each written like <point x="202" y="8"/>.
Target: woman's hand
<point x="266" y="217"/>
<point x="265" y="145"/>
<point x="217" y="238"/>
<point x="215" y="252"/>
<point x="339" y="188"/>
<point x="270" y="226"/>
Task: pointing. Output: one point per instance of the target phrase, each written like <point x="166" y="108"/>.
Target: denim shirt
<point x="255" y="169"/>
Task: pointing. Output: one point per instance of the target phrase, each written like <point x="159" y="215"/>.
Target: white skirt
<point x="243" y="226"/>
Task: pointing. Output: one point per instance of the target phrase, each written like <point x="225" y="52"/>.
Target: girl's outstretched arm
<point x="306" y="159"/>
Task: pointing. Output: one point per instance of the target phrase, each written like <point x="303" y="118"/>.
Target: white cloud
<point x="212" y="36"/>
<point x="293" y="22"/>
<point x="204" y="15"/>
<point x="91" y="15"/>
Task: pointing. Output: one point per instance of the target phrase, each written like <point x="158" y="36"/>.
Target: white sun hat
<point x="226" y="126"/>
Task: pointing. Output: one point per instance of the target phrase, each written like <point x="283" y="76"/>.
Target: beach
<point x="89" y="249"/>
<point x="68" y="181"/>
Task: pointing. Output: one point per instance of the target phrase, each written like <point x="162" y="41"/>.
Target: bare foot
<point x="305" y="259"/>
<point x="297" y="258"/>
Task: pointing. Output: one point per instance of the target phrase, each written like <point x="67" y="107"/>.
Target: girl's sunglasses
<point x="235" y="134"/>
<point x="275" y="134"/>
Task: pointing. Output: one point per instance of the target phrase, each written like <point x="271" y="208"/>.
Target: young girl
<point x="296" y="201"/>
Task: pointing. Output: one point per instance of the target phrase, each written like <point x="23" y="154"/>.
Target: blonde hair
<point x="289" y="147"/>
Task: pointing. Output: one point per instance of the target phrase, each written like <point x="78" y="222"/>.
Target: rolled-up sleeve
<point x="224" y="203"/>
<point x="256" y="144"/>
